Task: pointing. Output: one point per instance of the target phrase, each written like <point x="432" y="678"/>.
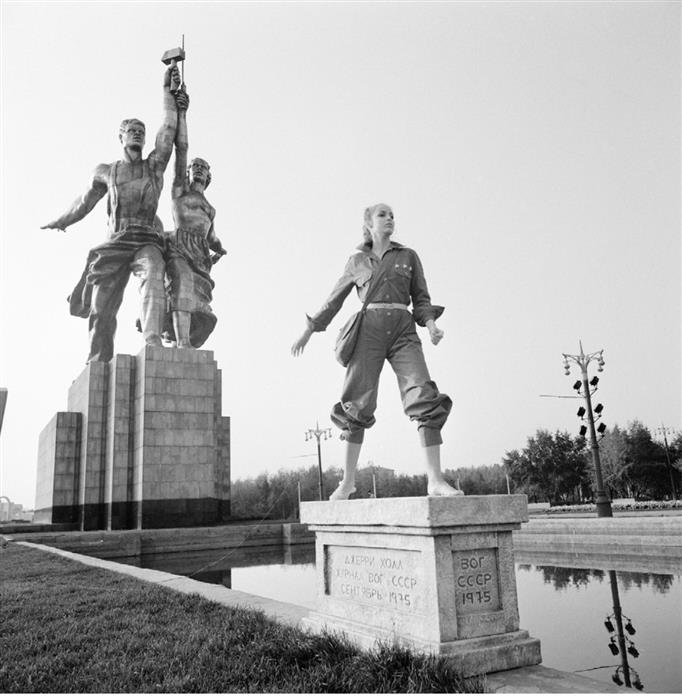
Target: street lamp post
<point x="583" y="360"/>
<point x="665" y="431"/>
<point x="317" y="433"/>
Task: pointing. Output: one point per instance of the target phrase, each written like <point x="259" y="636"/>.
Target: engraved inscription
<point x="377" y="577"/>
<point x="476" y="581"/>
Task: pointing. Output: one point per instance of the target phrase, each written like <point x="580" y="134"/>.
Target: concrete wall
<point x="639" y="538"/>
<point x="168" y="540"/>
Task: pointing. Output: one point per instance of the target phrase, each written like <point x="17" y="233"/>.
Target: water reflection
<point x="615" y="559"/>
<point x="222" y="578"/>
<point x="625" y="645"/>
<point x="561" y="577"/>
<point x="587" y="617"/>
<point x="229" y="567"/>
<point x="620" y="641"/>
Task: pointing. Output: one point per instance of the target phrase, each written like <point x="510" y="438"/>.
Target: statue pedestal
<point x="143" y="444"/>
<point x="434" y="573"/>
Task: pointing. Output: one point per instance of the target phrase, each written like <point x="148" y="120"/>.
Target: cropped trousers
<point x="390" y="335"/>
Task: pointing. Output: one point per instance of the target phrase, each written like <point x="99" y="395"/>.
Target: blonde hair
<point x="366" y="233"/>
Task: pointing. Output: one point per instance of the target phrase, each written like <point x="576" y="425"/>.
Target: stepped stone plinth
<point x="143" y="444"/>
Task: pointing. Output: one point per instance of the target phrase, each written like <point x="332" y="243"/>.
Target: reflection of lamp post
<point x="317" y="434"/>
<point x="583" y="360"/>
<point x="665" y="432"/>
<point x="628" y="671"/>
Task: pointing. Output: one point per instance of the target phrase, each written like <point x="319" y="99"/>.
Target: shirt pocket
<point x="403" y="270"/>
<point x="362" y="276"/>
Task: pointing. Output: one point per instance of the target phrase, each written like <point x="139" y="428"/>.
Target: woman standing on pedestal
<point x="393" y="275"/>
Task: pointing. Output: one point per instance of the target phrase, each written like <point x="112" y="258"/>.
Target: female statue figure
<point x="193" y="247"/>
<point x="387" y="332"/>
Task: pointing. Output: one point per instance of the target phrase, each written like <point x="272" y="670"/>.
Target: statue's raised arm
<point x="165" y="137"/>
<point x="180" y="179"/>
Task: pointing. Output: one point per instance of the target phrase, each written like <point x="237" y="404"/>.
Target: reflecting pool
<point x="567" y="608"/>
<point x="570" y="608"/>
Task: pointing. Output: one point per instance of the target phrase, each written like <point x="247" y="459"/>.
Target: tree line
<point x="553" y="467"/>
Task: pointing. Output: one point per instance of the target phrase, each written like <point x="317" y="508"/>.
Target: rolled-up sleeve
<point x="422" y="308"/>
<point x="320" y="320"/>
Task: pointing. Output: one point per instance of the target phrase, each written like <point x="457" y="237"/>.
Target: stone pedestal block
<point x="181" y="442"/>
<point x="57" y="486"/>
<point x="143" y="444"/>
<point x="434" y="573"/>
<point x="88" y="397"/>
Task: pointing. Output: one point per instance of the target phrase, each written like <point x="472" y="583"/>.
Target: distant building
<point x="11" y="511"/>
<point x="373" y="481"/>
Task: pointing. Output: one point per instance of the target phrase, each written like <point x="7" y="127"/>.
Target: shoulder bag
<point x="348" y="335"/>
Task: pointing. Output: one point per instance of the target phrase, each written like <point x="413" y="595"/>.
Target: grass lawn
<point x="69" y="628"/>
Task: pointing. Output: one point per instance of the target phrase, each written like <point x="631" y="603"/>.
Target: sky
<point x="529" y="150"/>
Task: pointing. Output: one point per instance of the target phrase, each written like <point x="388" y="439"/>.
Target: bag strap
<point x="374" y="283"/>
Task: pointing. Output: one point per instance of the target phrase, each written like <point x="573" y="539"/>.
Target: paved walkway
<point x="532" y="679"/>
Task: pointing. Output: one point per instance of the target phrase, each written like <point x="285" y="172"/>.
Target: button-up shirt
<point x="402" y="281"/>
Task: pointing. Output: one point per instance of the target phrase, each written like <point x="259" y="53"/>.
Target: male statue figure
<point x="135" y="236"/>
<point x="189" y="246"/>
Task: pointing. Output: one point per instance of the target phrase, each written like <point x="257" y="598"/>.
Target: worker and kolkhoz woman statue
<point x="173" y="270"/>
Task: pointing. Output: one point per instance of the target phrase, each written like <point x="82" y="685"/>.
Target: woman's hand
<point x="297" y="347"/>
<point x="182" y="99"/>
<point x="435" y="332"/>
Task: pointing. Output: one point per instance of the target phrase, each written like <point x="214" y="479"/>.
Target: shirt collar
<point x="368" y="249"/>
